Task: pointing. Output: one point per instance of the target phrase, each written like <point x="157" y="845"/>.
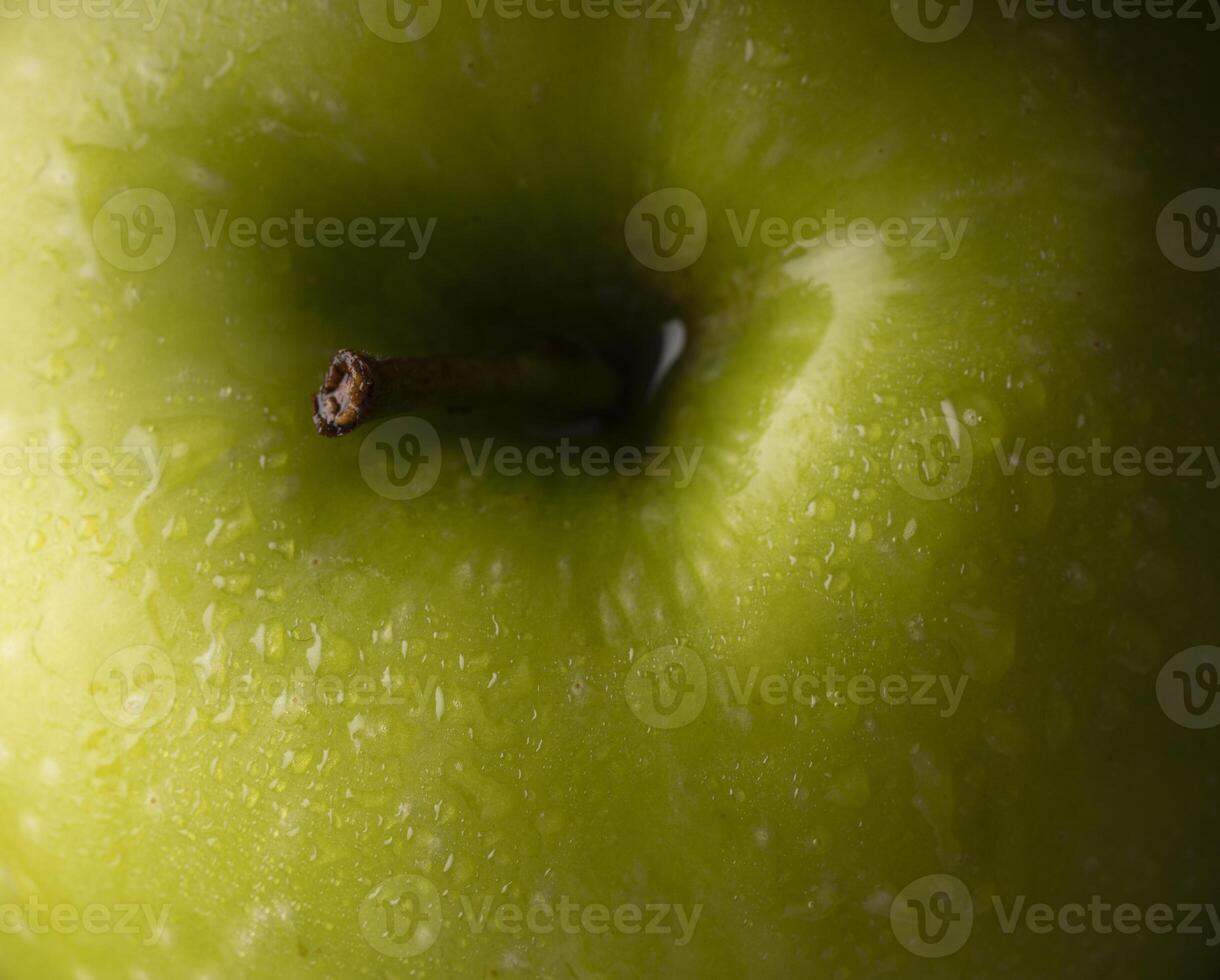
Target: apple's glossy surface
<point x="480" y="660"/>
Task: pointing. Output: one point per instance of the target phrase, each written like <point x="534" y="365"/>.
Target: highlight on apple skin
<point x="772" y="526"/>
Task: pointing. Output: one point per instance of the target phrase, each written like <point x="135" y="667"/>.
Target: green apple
<point x="852" y="695"/>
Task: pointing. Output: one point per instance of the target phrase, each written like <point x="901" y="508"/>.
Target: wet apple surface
<point x="810" y="665"/>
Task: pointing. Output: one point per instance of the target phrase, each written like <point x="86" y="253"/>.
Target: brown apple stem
<point x="359" y="387"/>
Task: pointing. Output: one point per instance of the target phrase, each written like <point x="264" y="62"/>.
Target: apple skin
<point x="262" y="550"/>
